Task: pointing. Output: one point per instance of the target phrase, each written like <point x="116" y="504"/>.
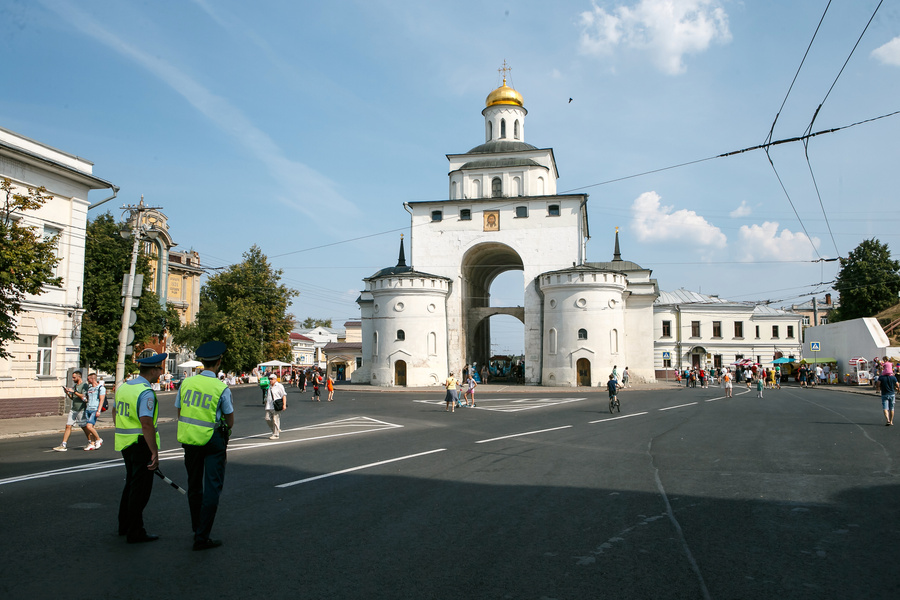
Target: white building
<point x="49" y="327"/>
<point x="303" y="350"/>
<point x="696" y="330"/>
<point x="422" y="321"/>
<point x="844" y="340"/>
<point x="320" y="336"/>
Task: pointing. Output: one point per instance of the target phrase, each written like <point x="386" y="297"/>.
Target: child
<point x="760" y="384"/>
<point x="612" y="385"/>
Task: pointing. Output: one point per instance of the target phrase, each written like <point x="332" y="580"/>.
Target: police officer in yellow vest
<point x="137" y="438"/>
<point x="205" y="419"/>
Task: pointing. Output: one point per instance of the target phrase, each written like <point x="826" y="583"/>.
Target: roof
<point x="41" y="154"/>
<point x="683" y="296"/>
<point x="300" y="337"/>
<point x="335" y="346"/>
<point x="403" y="272"/>
<point x="616" y="265"/>
<point x="495" y="146"/>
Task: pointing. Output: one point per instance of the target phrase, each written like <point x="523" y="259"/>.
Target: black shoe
<point x="206" y="544"/>
<point x="147" y="537"/>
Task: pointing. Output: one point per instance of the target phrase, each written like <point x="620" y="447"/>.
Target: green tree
<point x="27" y="260"/>
<point x="868" y="282"/>
<point x="246" y="308"/>
<point x="107" y="257"/>
<point x="311" y="323"/>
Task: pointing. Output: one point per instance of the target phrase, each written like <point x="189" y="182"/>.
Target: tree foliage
<point x="27" y="260"/>
<point x="311" y="323"/>
<point x="246" y="308"/>
<point x="868" y="282"/>
<point x="107" y="257"/>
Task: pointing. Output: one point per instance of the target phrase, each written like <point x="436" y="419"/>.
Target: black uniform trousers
<point x="138" y="486"/>
<point x="206" y="475"/>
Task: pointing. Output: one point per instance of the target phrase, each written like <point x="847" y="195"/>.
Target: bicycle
<point x="614" y="404"/>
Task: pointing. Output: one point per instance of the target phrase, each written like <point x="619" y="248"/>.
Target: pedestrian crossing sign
<point x="814" y="346"/>
<point x="667" y="355"/>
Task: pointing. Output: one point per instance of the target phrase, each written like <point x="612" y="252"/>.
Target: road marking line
<point x="617" y="418"/>
<point x="350" y="470"/>
<point x="521" y="434"/>
<point x="679" y="406"/>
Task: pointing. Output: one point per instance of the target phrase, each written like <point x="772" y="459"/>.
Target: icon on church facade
<point x="492" y="220"/>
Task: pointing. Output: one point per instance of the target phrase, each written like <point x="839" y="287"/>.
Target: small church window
<point x="521" y="212"/>
<point x="553" y="343"/>
<point x="490" y="131"/>
<point x="553" y="210"/>
<point x="502" y="128"/>
<point x="401" y="335"/>
<point x="516" y="129"/>
<point x="582" y="334"/>
<point x="437" y="215"/>
<point x="465" y="214"/>
<point x="496" y="188"/>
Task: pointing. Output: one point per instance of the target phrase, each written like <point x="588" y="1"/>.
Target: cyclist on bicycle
<point x="613" y="386"/>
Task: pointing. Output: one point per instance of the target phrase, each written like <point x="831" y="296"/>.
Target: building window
<point x="552" y="341"/>
<point x="775" y="332"/>
<point x="45" y="355"/>
<point x="823" y="320"/>
<point x="790" y="331"/>
<point x="582" y="334"/>
<point x="667" y="363"/>
<point x="757" y="332"/>
<point x="667" y="328"/>
<point x="374" y="343"/>
<point x="496" y="188"/>
<point x="359" y="362"/>
<point x="553" y="210"/>
<point x="49" y="234"/>
<point x="490" y="131"/>
<point x="695" y="328"/>
<point x="614" y="341"/>
<point x="465" y="215"/>
<point x="436" y="216"/>
<point x="521" y="212"/>
<point x="401" y="335"/>
<point x="717" y="361"/>
<point x="717" y="329"/>
<point x="517" y="186"/>
<point x="432" y="344"/>
<point x="502" y="128"/>
<point x="806" y="320"/>
<point x="738" y="329"/>
<point x="516" y="129"/>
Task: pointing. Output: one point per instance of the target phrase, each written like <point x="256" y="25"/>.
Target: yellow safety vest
<point x="128" y="423"/>
<point x="199" y="399"/>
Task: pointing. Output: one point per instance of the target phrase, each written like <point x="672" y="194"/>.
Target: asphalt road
<point x="684" y="494"/>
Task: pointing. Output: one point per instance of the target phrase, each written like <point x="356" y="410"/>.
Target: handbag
<point x="279" y="404"/>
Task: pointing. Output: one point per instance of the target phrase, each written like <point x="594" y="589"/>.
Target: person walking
<point x="205" y="411"/>
<point x="78" y="395"/>
<point x="760" y="385"/>
<point x="329" y="385"/>
<point x="264" y="385"/>
<point x="729" y="385"/>
<point x="276" y="401"/>
<point x="452" y="396"/>
<point x="625" y="377"/>
<point x="889" y="388"/>
<point x="470" y="390"/>
<point x="96" y="396"/>
<point x="136" y="412"/>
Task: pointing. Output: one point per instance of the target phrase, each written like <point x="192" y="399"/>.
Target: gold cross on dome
<point x="504" y="70"/>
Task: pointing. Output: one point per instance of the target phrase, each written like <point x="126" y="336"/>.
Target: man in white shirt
<point x="274" y="397"/>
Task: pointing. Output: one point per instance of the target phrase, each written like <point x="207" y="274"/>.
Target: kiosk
<point x="859" y="371"/>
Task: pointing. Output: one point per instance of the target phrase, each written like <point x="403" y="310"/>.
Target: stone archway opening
<point x="480" y="267"/>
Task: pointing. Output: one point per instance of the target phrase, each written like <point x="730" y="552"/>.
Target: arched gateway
<point x="503" y="214"/>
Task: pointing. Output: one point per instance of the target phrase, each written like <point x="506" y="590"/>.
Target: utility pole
<point x="137" y="232"/>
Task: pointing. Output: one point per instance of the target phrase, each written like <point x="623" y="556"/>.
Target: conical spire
<point x="616" y="254"/>
<point x="401" y="260"/>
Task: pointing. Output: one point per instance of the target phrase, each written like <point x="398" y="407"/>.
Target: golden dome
<point x="504" y="95"/>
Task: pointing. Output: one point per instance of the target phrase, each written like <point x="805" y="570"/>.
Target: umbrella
<point x="191" y="364"/>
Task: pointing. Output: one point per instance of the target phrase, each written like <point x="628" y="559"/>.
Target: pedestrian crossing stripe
<point x="510" y="404"/>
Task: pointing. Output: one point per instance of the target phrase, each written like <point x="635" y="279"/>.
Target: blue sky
<point x="303" y="127"/>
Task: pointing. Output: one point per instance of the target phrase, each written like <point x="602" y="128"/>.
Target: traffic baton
<point x="169" y="481"/>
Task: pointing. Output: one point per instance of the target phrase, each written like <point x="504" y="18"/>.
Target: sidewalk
<point x="33" y="426"/>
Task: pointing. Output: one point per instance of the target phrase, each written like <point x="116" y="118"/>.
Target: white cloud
<point x="889" y="54"/>
<point x="741" y="211"/>
<point x="667" y="30"/>
<point x="655" y="223"/>
<point x="763" y="242"/>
